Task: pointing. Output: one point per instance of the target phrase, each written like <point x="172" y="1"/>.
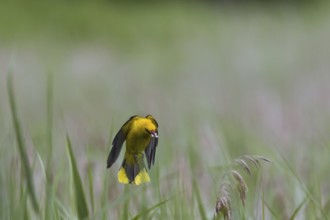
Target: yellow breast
<point x="138" y="136"/>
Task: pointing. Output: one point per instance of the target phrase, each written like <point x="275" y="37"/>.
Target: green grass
<point x="80" y="198"/>
<point x="221" y="82"/>
<point x="21" y="147"/>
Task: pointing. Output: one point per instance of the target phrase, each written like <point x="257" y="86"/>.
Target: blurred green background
<point x="223" y="79"/>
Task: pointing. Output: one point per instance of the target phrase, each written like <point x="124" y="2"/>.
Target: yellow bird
<point x="141" y="135"/>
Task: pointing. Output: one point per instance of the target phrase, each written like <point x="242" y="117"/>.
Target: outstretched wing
<point x="118" y="141"/>
<point x="150" y="151"/>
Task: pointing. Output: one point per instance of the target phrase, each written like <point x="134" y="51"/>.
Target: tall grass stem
<point x="21" y="144"/>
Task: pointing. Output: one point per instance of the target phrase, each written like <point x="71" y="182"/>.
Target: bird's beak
<point x="154" y="134"/>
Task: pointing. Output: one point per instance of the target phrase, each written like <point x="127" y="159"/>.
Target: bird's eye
<point x="147" y="131"/>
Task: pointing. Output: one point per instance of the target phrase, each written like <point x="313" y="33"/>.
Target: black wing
<point x="150" y="150"/>
<point x="117" y="143"/>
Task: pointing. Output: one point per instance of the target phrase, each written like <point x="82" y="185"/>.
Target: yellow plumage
<point x="142" y="177"/>
<point x="141" y="136"/>
<point x="122" y="177"/>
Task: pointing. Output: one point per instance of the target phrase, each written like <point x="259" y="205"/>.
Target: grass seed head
<point x="223" y="203"/>
<point x="241" y="186"/>
<point x="244" y="164"/>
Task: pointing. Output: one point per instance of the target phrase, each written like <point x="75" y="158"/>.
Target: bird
<point x="141" y="136"/>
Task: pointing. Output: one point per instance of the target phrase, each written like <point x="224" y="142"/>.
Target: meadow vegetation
<point x="232" y="89"/>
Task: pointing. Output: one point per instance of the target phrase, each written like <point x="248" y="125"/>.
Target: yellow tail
<point x="133" y="173"/>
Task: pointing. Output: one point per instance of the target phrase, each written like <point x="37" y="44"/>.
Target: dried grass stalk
<point x="223" y="204"/>
<point x="241" y="186"/>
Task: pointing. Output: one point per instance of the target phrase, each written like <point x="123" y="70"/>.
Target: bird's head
<point x="152" y="127"/>
<point x="152" y="119"/>
<point x="152" y="132"/>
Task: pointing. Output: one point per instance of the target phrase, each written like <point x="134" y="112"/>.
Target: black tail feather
<point x="132" y="170"/>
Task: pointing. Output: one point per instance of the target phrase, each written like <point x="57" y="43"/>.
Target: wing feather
<point x="150" y="151"/>
<point x="118" y="141"/>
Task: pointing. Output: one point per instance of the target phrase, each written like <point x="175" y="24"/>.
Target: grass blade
<point x="273" y="212"/>
<point x="293" y="216"/>
<point x="91" y="187"/>
<point x="125" y="212"/>
<point x="145" y="212"/>
<point x="21" y="144"/>
<point x="199" y="201"/>
<point x="49" y="129"/>
<point x="49" y="109"/>
<point x="78" y="188"/>
<point x="79" y="192"/>
<point x="326" y="208"/>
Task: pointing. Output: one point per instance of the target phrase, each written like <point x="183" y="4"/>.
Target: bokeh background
<point x="222" y="78"/>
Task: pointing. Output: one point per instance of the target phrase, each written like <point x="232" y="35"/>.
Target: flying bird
<point x="141" y="136"/>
